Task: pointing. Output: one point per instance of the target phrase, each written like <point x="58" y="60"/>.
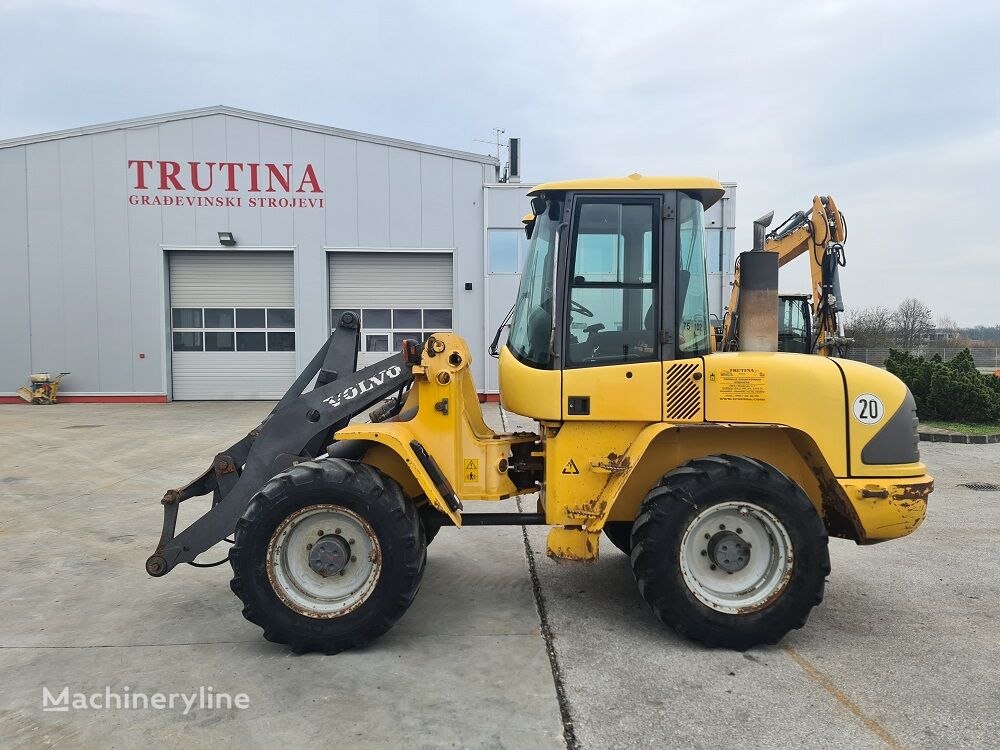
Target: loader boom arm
<point x="299" y="428"/>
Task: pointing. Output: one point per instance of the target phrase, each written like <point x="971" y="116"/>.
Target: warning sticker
<point x="742" y="384"/>
<point x="570" y="468"/>
<point x="471" y="470"/>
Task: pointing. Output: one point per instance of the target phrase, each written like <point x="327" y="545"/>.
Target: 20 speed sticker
<point x="868" y="409"/>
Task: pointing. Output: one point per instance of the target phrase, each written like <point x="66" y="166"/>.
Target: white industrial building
<point x="203" y="254"/>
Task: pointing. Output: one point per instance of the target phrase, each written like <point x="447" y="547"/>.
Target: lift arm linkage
<point x="299" y="428"/>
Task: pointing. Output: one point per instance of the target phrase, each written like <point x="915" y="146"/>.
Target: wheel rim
<point x="736" y="557"/>
<point x="324" y="561"/>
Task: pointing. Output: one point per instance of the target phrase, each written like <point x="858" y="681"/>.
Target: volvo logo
<point x="352" y="392"/>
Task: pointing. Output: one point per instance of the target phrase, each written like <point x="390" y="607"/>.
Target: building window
<point x="713" y="250"/>
<point x="506" y="249"/>
<point x="187" y="341"/>
<point x="187" y="317"/>
<point x="229" y="329"/>
<point x="281" y="318"/>
<point x="383" y="329"/>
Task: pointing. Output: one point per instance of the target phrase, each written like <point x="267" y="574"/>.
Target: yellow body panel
<point x="529" y="391"/>
<point x="780" y="389"/>
<point x="599" y="468"/>
<point x="888" y="509"/>
<point x="864" y="379"/>
<point x="444" y="416"/>
<point x="626" y="393"/>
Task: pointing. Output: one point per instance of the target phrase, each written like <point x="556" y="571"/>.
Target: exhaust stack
<point x="758" y="306"/>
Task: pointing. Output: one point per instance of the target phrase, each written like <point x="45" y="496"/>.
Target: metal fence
<point x="987" y="360"/>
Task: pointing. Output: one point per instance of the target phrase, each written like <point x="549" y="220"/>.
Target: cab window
<point x="693" y="325"/>
<point x="612" y="295"/>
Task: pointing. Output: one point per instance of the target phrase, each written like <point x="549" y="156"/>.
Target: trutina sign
<point x="225" y="184"/>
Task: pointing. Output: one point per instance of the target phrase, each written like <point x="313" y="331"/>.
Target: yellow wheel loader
<point x="721" y="475"/>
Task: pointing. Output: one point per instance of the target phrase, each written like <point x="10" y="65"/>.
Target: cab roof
<point x="709" y="191"/>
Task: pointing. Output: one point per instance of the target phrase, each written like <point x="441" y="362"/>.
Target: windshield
<point x="692" y="283"/>
<point x="531" y="328"/>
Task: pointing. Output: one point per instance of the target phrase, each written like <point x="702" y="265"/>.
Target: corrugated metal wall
<point x="214" y="376"/>
<point x="390" y="280"/>
<point x="240" y="279"/>
<point x="204" y="279"/>
<point x="91" y="295"/>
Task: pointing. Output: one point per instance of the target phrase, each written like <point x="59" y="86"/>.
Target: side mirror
<point x="529" y="224"/>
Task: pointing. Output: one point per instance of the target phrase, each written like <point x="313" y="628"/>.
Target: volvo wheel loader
<point x="721" y="475"/>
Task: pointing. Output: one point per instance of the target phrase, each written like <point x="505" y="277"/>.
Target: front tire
<point x="730" y="552"/>
<point x="619" y="533"/>
<point x="327" y="556"/>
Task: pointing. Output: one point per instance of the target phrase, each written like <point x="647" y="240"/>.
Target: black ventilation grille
<point x="683" y="392"/>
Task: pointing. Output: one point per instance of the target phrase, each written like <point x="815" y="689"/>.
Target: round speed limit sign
<point x="868" y="409"/>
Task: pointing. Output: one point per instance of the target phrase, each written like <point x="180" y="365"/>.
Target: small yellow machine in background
<point x="42" y="388"/>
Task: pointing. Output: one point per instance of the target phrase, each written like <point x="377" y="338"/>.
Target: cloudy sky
<point x="891" y="107"/>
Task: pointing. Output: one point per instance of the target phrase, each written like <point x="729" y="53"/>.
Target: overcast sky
<point x="891" y="107"/>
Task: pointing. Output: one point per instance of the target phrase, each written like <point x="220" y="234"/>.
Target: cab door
<point x="611" y="343"/>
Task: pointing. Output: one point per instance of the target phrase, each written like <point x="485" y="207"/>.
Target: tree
<point x="870" y="327"/>
<point x="947" y="324"/>
<point x="983" y="335"/>
<point x="949" y="333"/>
<point x="913" y="322"/>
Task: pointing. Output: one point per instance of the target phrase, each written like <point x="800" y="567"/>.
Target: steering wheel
<point x="578" y="308"/>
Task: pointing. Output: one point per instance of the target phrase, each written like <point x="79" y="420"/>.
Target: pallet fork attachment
<point x="299" y="428"/>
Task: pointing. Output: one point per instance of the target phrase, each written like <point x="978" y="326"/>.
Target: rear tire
<point x="619" y="533"/>
<point x="327" y="556"/>
<point x="730" y="552"/>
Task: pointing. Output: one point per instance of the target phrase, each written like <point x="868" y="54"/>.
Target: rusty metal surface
<point x="572" y="543"/>
<point x="917" y="491"/>
<point x="277" y="588"/>
<point x="774" y="596"/>
<point x="838" y="514"/>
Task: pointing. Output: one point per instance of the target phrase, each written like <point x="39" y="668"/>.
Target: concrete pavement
<point x="902" y="653"/>
<point x="79" y="513"/>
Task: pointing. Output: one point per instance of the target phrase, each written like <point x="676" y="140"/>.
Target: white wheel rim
<point x="765" y="554"/>
<point x="320" y="527"/>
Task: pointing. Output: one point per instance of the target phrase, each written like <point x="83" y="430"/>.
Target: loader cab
<point x="795" y="323"/>
<point x="613" y="285"/>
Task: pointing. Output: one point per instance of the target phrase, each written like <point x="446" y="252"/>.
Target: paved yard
<point x="903" y="652"/>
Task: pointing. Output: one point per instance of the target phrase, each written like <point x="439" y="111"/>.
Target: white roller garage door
<point x="233" y="324"/>
<point x="398" y="295"/>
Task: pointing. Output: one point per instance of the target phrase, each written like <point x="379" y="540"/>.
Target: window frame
<point x="389" y="333"/>
<point x="520" y="250"/>
<point x="677" y="302"/>
<point x="235" y="329"/>
<point x="657" y="203"/>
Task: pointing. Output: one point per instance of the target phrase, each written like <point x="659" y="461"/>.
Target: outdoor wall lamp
<point x="227" y="239"/>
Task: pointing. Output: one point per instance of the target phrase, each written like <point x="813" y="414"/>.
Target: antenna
<point x="496" y="143"/>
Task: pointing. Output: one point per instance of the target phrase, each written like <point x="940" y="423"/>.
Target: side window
<point x="613" y="297"/>
<point x="693" y="325"/>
